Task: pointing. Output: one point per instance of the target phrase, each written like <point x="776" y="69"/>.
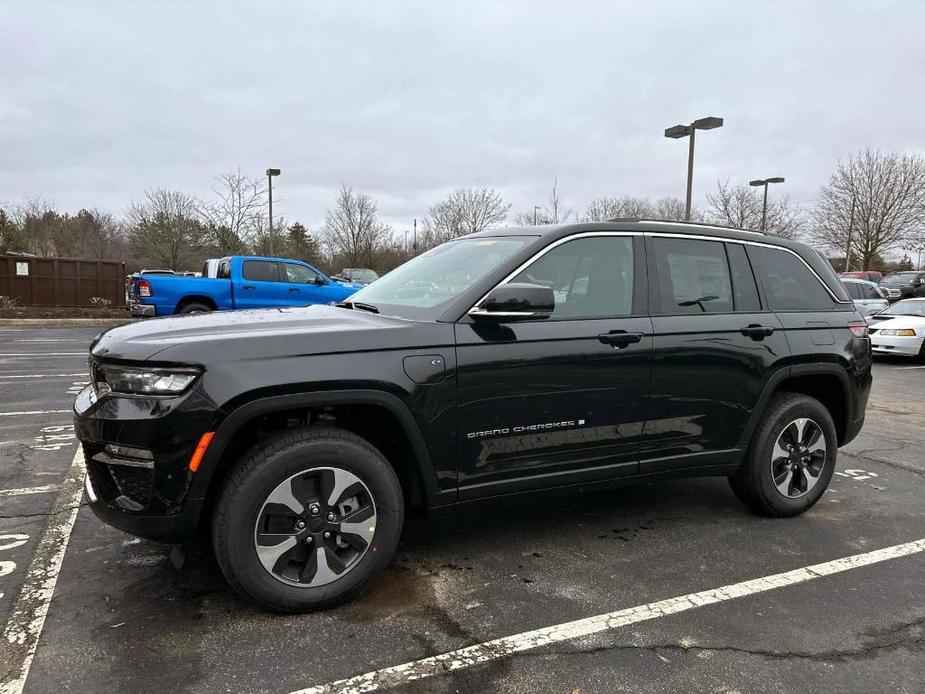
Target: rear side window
<point x="853" y="289"/>
<point x="693" y="276"/>
<point x="788" y="283"/>
<point x="261" y="271"/>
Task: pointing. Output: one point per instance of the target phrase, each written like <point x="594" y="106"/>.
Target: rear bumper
<point x="142" y="310"/>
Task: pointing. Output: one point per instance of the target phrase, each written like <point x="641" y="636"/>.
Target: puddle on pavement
<point x="395" y="591"/>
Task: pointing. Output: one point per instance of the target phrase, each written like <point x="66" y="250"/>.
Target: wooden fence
<point x="61" y="281"/>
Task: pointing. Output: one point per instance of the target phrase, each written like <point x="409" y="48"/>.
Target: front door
<point x="560" y="400"/>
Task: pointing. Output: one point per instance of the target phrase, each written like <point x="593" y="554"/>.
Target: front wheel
<point x="307" y="519"/>
<point x="791" y="458"/>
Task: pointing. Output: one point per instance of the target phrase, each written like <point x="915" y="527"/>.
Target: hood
<point x="264" y="333"/>
<point x="915" y="322"/>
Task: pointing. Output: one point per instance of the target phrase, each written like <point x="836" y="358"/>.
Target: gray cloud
<point x="407" y="100"/>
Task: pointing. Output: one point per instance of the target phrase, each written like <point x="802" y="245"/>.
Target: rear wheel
<point x="307" y="519"/>
<point x="791" y="458"/>
<point x="194" y="307"/>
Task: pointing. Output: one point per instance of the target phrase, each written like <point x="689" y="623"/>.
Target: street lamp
<point x="270" y="174"/>
<point x="764" y="207"/>
<point x="678" y="131"/>
<point x="535" y="208"/>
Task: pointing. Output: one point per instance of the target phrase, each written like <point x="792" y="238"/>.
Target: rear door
<point x="557" y="401"/>
<point x="715" y="346"/>
<point x="260" y="285"/>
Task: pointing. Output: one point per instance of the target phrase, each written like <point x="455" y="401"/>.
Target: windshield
<point x="899" y="278"/>
<point x="363" y="275"/>
<point x="426" y="285"/>
<point x="905" y="308"/>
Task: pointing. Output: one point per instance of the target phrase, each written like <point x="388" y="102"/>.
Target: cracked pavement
<point x="124" y="618"/>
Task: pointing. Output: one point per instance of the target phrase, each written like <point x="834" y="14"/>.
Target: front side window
<point x="853" y="289"/>
<point x="788" y="282"/>
<point x="693" y="276"/>
<point x="299" y="274"/>
<point x="590" y="277"/>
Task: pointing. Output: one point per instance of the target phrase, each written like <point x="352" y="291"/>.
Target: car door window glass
<point x="788" y="282"/>
<point x="299" y="274"/>
<point x="590" y="277"/>
<point x="852" y="290"/>
<point x="743" y="279"/>
<point x="693" y="276"/>
<point x="868" y="292"/>
<point x="260" y="271"/>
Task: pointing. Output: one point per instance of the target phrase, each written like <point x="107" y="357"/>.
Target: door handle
<point x="248" y="287"/>
<point x="757" y="332"/>
<point x="619" y="338"/>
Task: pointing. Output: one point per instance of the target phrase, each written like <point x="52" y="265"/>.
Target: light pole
<point x="678" y="131"/>
<point x="764" y="206"/>
<point x="535" y="208"/>
<point x="270" y="174"/>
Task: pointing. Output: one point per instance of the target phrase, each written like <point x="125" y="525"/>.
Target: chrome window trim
<point x="658" y="234"/>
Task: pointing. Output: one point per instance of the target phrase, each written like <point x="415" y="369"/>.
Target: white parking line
<point x="41" y="376"/>
<point x="19" y="414"/>
<point x="508" y="645"/>
<point x="911" y="367"/>
<point x="27" y="619"/>
<point x="28" y="490"/>
<point x="43" y="354"/>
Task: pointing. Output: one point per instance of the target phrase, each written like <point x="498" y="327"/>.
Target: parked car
<point x="904" y="285"/>
<point x="869" y="275"/>
<point x="570" y="356"/>
<point x="899" y="329"/>
<point x="868" y="297"/>
<point x="357" y="275"/>
<point x="242" y="282"/>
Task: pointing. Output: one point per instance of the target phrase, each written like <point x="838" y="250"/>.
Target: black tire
<point x="195" y="307"/>
<point x="267" y="466"/>
<point x="754" y="482"/>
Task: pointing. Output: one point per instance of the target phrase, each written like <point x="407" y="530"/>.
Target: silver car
<point x="868" y="297"/>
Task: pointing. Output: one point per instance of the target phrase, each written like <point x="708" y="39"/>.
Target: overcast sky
<point x="409" y="100"/>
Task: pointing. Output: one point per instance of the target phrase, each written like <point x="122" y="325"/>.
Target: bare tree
<point x="236" y="213"/>
<point x="165" y="228"/>
<point x="885" y="193"/>
<point x="553" y="212"/>
<point x="352" y="229"/>
<point x="740" y="206"/>
<point x="464" y="211"/>
<point x="602" y="209"/>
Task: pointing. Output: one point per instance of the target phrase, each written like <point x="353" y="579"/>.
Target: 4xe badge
<point x="526" y="428"/>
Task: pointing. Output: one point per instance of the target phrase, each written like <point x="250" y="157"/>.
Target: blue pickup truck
<point x="241" y="282"/>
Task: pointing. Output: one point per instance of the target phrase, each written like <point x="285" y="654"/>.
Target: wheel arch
<point x="195" y="299"/>
<point x="219" y="457"/>
<point x="828" y="383"/>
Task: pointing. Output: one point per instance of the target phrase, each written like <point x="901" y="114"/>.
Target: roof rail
<point x="702" y="225"/>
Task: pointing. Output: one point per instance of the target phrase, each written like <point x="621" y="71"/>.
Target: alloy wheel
<point x="315" y="527"/>
<point x="798" y="458"/>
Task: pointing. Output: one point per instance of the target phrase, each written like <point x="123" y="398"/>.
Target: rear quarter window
<point x="788" y="282"/>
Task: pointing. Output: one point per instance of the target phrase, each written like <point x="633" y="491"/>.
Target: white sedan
<point x="899" y="329"/>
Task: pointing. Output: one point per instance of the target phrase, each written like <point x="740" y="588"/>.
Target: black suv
<point x="516" y="359"/>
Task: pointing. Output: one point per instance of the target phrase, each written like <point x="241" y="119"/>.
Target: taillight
<point x="144" y="288"/>
<point x="858" y="328"/>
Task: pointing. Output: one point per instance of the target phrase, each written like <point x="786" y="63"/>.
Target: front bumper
<point x="149" y="498"/>
<point x="893" y="344"/>
<point x="142" y="310"/>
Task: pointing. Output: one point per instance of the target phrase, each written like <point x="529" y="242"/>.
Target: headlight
<point x="142" y="380"/>
<point x="899" y="332"/>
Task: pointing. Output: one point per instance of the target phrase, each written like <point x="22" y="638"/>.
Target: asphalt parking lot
<point x="121" y="617"/>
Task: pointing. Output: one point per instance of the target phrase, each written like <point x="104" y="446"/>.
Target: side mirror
<point x="514" y="302"/>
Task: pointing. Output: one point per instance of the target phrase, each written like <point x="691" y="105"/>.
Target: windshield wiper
<point x="358" y="306"/>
